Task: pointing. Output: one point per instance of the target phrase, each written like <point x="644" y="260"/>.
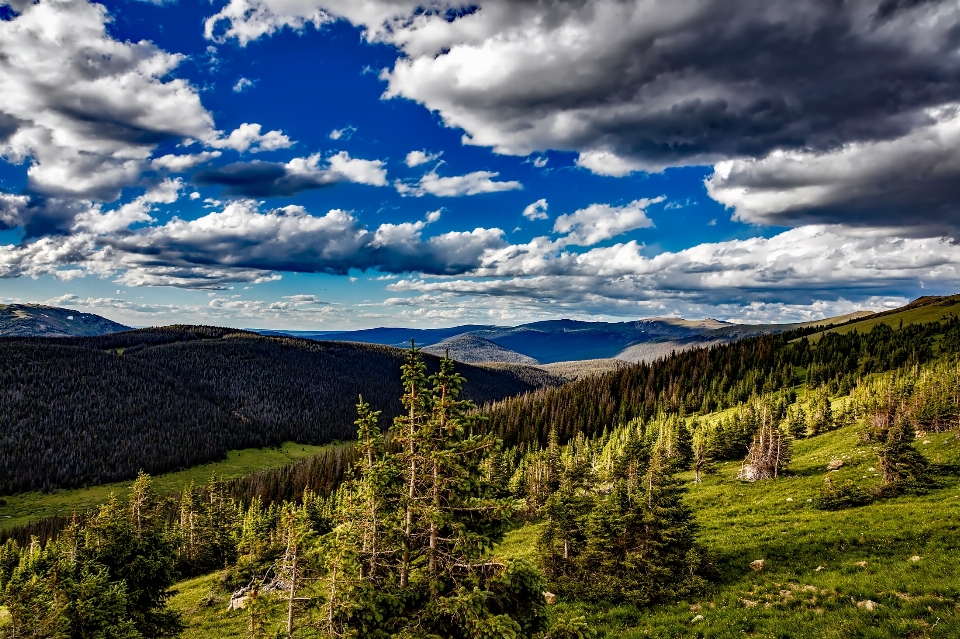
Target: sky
<point x="339" y="164"/>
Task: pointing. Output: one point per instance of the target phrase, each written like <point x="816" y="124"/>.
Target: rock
<point x="550" y="597"/>
<point x="819" y="568"/>
<point x="868" y="605"/>
<point x="758" y="564"/>
<point x="862" y="564"/>
<point x="834" y="464"/>
<point x="238" y="603"/>
<point x="916" y="558"/>
<point x="697" y="619"/>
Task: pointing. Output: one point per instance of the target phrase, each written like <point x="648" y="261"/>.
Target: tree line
<point x="702" y="381"/>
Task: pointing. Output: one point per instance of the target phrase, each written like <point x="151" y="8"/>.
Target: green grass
<point x="813" y="578"/>
<point x="813" y="581"/>
<point x="204" y="604"/>
<point x="22" y="508"/>
<point x="918" y="315"/>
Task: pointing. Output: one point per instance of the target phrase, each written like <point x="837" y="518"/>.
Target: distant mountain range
<point x="35" y="320"/>
<point x="594" y="346"/>
<point x="557" y="341"/>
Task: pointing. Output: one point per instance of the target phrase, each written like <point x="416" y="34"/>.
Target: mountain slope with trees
<point x="90" y="410"/>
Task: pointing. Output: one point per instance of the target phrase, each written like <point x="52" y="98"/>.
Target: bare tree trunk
<point x="292" y="553"/>
<point x="433" y="523"/>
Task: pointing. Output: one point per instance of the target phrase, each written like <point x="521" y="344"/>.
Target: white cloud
<point x="643" y="85"/>
<point x="791" y="271"/>
<point x="250" y="20"/>
<point x="11" y="209"/>
<point x="243" y="84"/>
<point x="610" y="164"/>
<point x="103" y="222"/>
<point x="536" y="210"/>
<point x="345" y="133"/>
<point x="181" y="163"/>
<point x="247" y="137"/>
<point x="416" y="158"/>
<point x="599" y="222"/>
<point x="361" y="171"/>
<point x="84" y="109"/>
<point x="540" y="162"/>
<point x="470" y="184"/>
<point x="911" y="181"/>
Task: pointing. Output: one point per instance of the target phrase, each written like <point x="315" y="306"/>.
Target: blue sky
<point x="248" y="163"/>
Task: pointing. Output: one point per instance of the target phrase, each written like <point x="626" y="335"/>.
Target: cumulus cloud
<point x="100" y="222"/>
<point x="360" y="171"/>
<point x="793" y="268"/>
<point x="536" y="211"/>
<point x="416" y="158"/>
<point x="642" y="85"/>
<point x="85" y="109"/>
<point x="599" y="222"/>
<point x="247" y="137"/>
<point x="912" y="181"/>
<point x="272" y="179"/>
<point x="470" y="184"/>
<point x="241" y="244"/>
<point x="11" y="210"/>
<point x="248" y="20"/>
<point x="181" y="163"/>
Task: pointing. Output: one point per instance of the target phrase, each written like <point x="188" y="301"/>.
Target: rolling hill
<point x="36" y="320"/>
<point x="89" y="410"/>
<point x="921" y="310"/>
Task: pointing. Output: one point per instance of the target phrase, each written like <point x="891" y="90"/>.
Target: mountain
<point x="472" y="349"/>
<point x="708" y="380"/>
<point x="36" y="320"/>
<point x="91" y="410"/>
<point x="558" y="341"/>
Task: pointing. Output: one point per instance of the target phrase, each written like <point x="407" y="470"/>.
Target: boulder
<point x="550" y="597"/>
<point x="834" y="464"/>
<point x="758" y="564"/>
<point x="238" y="603"/>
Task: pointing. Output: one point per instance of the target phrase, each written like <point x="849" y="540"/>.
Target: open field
<point x="22" y="508"/>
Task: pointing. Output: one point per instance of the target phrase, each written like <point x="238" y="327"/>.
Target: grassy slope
<point x="914" y="313"/>
<point x="791" y="597"/>
<point x="20" y="509"/>
<point x="771" y="521"/>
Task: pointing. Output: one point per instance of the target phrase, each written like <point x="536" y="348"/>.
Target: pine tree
<point x="700" y="447"/>
<point x="820" y="417"/>
<point x="902" y="466"/>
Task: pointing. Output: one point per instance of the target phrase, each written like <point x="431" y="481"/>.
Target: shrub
<point x="837" y="495"/>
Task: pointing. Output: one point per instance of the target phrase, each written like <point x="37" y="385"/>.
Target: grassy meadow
<point x="21" y="508"/>
<point x="888" y="569"/>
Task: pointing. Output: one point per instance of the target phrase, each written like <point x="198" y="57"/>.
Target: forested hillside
<point x="97" y="409"/>
<point x="706" y="380"/>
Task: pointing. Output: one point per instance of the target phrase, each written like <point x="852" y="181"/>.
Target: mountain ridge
<point x="39" y="320"/>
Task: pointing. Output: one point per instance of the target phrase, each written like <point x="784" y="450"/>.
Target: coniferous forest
<point x="404" y="532"/>
<point x="84" y="411"/>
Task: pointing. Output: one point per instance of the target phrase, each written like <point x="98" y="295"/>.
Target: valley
<point x="855" y="537"/>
